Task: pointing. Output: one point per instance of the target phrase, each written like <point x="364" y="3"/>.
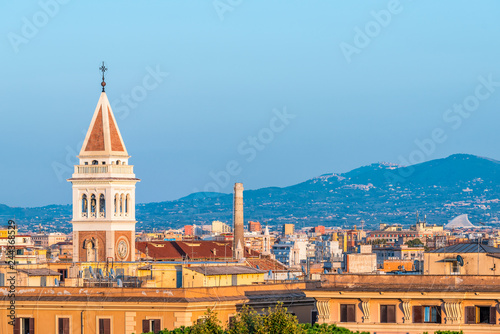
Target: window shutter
<point x="66" y="325"/>
<point x="418" y="314"/>
<point x="470" y="314"/>
<point x="383" y="313"/>
<point x="157" y="325"/>
<point x="351" y="313"/>
<point x="343" y="313"/>
<point x="145" y="326"/>
<point x="104" y="326"/>
<point x="60" y="324"/>
<point x="107" y="326"/>
<point x="17" y="326"/>
<point x="438" y="312"/>
<point x="32" y="325"/>
<point x="493" y="315"/>
<point x="391" y="313"/>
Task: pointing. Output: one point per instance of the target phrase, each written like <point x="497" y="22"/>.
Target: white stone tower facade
<point x="103" y="193"/>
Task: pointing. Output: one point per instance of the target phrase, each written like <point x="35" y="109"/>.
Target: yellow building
<point x="288" y="229"/>
<point x="231" y="275"/>
<point x="411" y="304"/>
<point x="463" y="259"/>
<point x="130" y="310"/>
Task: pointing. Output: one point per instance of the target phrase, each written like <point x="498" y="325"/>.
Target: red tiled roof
<point x="116" y="143"/>
<point x="96" y="139"/>
<point x="266" y="264"/>
<point x="179" y="250"/>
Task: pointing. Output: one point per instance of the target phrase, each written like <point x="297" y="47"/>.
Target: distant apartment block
<point x="220" y="227"/>
<point x="48" y="239"/>
<point x="288" y="229"/>
<point x="254" y="226"/>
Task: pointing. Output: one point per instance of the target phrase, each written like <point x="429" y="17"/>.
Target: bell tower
<point x="103" y="192"/>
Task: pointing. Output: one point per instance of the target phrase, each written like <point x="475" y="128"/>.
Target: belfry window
<point x="95" y="162"/>
<point x="121" y="204"/>
<point x="84" y="205"/>
<point x="93" y="203"/>
<point x="116" y="204"/>
<point x="126" y="203"/>
<point x="102" y="206"/>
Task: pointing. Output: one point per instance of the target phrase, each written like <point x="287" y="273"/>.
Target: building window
<point x="347" y="313"/>
<point x="455" y="268"/>
<point x="127" y="198"/>
<point x="93" y="204"/>
<point x="427" y="314"/>
<point x="388" y="313"/>
<point x="116" y="204"/>
<point x="102" y="206"/>
<point x="95" y="162"/>
<point x="85" y="205"/>
<point x="121" y="204"/>
<point x="480" y="315"/>
<point x="24" y="326"/>
<point x="104" y="326"/>
<point x="151" y="325"/>
<point x="63" y="326"/>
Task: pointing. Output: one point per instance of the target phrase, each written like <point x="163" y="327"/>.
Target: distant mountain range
<point x="378" y="193"/>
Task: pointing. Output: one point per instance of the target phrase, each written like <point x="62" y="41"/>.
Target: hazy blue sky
<point x="362" y="87"/>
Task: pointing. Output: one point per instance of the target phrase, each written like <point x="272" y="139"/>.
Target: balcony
<point x="104" y="169"/>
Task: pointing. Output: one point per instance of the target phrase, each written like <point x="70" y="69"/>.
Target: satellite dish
<point x="339" y="271"/>
<point x="100" y="273"/>
<point x="112" y="272"/>
<point x="326" y="271"/>
<point x="119" y="283"/>
<point x="258" y="267"/>
<point x="91" y="271"/>
<point x="460" y="260"/>
<point x="56" y="282"/>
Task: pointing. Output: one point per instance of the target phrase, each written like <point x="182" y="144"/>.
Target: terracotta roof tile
<point x="96" y="139"/>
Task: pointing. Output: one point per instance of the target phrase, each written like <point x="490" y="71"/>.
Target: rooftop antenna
<point x="103" y="69"/>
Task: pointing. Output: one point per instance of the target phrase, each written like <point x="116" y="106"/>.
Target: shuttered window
<point x="151" y="325"/>
<point x="388" y="313"/>
<point x="347" y="313"/>
<point x="63" y="326"/>
<point x="427" y="314"/>
<point x="480" y="315"/>
<point x="24" y="326"/>
<point x="104" y="326"/>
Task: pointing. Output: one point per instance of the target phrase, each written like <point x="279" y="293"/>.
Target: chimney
<point x="238" y="238"/>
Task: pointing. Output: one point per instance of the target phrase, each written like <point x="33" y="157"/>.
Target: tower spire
<point x="103" y="69"/>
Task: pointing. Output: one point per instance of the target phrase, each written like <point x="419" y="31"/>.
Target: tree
<point x="278" y="321"/>
<point x="210" y="324"/>
<point x="247" y="321"/>
<point x="414" y="243"/>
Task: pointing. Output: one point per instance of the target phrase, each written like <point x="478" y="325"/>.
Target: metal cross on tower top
<point x="103" y="69"/>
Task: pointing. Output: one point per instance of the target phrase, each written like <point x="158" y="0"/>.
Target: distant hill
<point x="381" y="192"/>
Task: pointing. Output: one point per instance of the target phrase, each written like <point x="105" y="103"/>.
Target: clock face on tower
<point x="122" y="249"/>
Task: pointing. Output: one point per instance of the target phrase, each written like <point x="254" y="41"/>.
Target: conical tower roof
<point x="103" y="137"/>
